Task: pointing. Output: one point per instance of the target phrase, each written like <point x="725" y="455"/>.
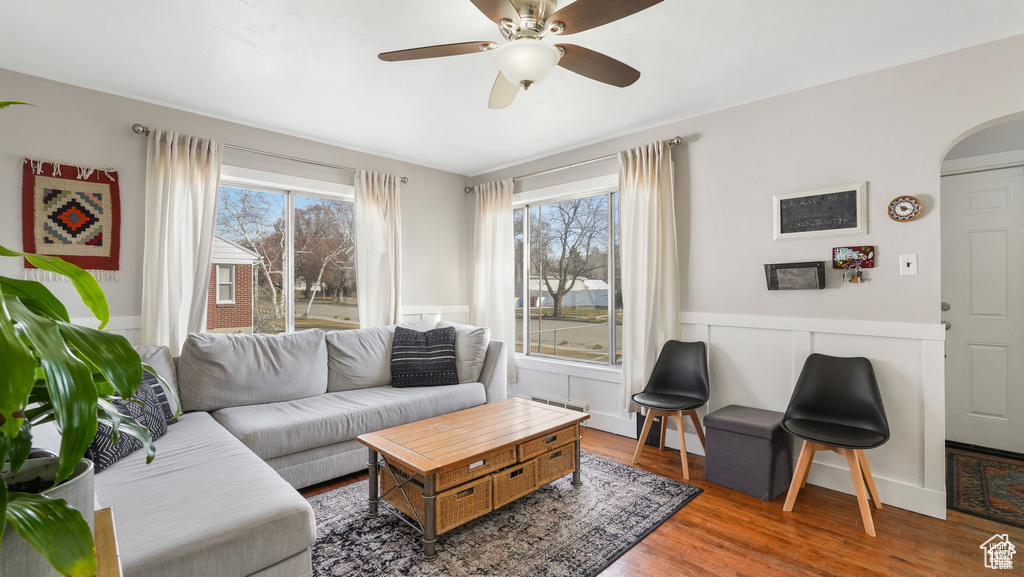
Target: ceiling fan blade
<point x="436" y="51"/>
<point x="586" y="14"/>
<point x="502" y="93"/>
<point x="597" y="66"/>
<point x="497" y="9"/>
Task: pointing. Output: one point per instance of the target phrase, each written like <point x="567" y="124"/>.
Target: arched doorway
<point x="982" y="200"/>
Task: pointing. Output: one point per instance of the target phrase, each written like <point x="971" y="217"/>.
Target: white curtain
<point x="182" y="175"/>
<point x="650" y="268"/>
<point x="378" y="248"/>
<point x="492" y="294"/>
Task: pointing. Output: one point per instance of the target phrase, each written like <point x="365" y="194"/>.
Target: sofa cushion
<point x="205" y="506"/>
<point x="359" y="358"/>
<point x="161" y="360"/>
<point x="423" y="359"/>
<point x="217" y="371"/>
<point x="470" y="349"/>
<point x="279" y="429"/>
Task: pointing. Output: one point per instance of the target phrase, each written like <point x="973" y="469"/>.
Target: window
<point x="566" y="274"/>
<point x="225" y="284"/>
<point x="303" y="244"/>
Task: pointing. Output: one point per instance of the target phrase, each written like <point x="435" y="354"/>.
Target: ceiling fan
<point x="526" y="59"/>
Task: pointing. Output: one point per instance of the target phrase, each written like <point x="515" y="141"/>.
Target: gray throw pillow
<point x="470" y="350"/>
<point x="218" y="371"/>
<point x="159" y="357"/>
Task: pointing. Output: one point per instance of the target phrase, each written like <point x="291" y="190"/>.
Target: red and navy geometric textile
<point x="72" y="212"/>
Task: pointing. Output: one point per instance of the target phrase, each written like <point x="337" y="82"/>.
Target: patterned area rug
<point x="560" y="530"/>
<point x="985" y="487"/>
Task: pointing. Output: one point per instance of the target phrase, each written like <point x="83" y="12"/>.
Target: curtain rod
<point x="140" y="129"/>
<point x="671" y="142"/>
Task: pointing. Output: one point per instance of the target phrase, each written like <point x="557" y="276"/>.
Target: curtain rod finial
<point x="404" y="180"/>
<point x="140" y="129"/>
<point x="468" y="189"/>
<point x="675" y="141"/>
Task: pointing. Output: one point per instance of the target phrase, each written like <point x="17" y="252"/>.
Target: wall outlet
<point x="908" y="264"/>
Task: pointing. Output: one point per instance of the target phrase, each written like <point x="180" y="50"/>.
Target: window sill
<point x="611" y="374"/>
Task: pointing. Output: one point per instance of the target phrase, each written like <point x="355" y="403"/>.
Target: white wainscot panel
<point x="751" y="367"/>
<point x="543" y="384"/>
<point x="897" y="364"/>
<point x="755" y="360"/>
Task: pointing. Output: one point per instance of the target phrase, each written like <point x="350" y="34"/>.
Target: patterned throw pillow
<point x="423" y="359"/>
<point x="151" y="380"/>
<point x="103" y="452"/>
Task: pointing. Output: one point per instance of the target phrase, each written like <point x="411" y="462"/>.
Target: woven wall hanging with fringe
<point x="72" y="212"/>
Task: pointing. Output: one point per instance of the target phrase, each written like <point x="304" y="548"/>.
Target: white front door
<point x="982" y="281"/>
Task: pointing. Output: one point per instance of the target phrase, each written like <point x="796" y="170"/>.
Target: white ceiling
<point x="309" y="67"/>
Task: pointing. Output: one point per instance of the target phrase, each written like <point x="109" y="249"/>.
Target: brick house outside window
<point x="229" y="306"/>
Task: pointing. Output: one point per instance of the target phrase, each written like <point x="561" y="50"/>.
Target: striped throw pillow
<point x="423" y="359"/>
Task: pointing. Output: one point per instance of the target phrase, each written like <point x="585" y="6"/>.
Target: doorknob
<point x="946" y="324"/>
<point x="944" y="307"/>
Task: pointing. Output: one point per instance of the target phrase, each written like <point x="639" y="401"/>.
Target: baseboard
<point x="909" y="497"/>
<point x="912" y="498"/>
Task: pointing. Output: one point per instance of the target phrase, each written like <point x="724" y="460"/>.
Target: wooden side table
<point x="108" y="561"/>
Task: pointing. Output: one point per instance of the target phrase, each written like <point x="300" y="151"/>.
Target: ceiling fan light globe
<point x="526" y="59"/>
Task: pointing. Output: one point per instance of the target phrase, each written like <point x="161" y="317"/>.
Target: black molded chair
<point x="678" y="385"/>
<point x="836" y="406"/>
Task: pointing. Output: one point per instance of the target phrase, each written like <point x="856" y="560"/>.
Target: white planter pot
<point x="18" y="557"/>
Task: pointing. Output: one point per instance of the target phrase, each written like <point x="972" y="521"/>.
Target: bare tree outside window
<point x="325" y="264"/>
<point x="255" y="220"/>
<point x="568" y="285"/>
<point x="322" y="260"/>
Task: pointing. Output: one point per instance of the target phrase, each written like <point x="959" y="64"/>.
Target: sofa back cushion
<point x="470" y="350"/>
<point x="359" y="358"/>
<point x="218" y="371"/>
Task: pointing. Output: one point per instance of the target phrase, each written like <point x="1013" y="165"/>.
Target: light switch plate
<point x="908" y="264"/>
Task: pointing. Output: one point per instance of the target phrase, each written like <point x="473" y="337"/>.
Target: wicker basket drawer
<point x="479" y="468"/>
<point x="555" y="464"/>
<point x="514" y="482"/>
<point x="455" y="506"/>
<point x="539" y="446"/>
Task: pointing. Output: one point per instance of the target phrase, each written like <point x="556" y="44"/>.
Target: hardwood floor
<point x="724" y="532"/>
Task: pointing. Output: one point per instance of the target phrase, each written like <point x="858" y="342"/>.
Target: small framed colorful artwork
<point x="853" y="257"/>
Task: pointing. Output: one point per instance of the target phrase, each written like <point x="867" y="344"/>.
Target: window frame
<point x="232" y="283"/>
<point x="288" y="186"/>
<point x="607" y="185"/>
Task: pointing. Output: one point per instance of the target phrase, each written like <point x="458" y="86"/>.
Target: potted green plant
<point x="53" y="370"/>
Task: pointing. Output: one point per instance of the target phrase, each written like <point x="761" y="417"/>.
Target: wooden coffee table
<point x="445" y="471"/>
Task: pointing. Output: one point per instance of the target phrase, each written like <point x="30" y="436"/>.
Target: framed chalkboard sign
<point x="832" y="211"/>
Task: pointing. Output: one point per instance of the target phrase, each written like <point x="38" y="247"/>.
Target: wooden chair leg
<point x="678" y="416"/>
<point x="863" y="460"/>
<point x="803" y="464"/>
<point x="813" y="450"/>
<point x="696" y="425"/>
<point x="858" y="486"/>
<point x="643" y="436"/>
<point x="664" y="429"/>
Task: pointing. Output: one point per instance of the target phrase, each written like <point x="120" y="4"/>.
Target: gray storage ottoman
<point x="748" y="451"/>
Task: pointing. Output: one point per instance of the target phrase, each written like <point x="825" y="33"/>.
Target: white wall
<point x="891" y="128"/>
<point x="90" y="128"/>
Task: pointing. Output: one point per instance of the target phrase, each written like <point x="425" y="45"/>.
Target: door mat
<point x="985" y="487"/>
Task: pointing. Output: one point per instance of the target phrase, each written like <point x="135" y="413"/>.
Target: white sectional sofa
<point x="262" y="416"/>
